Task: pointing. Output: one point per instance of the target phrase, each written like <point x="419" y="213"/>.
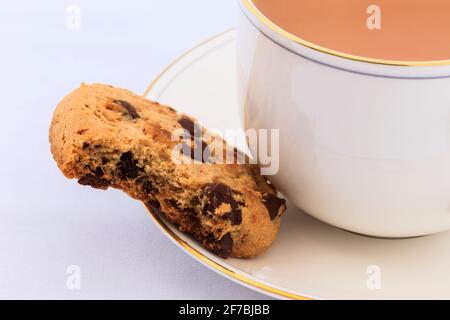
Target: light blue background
<point x="48" y="222"/>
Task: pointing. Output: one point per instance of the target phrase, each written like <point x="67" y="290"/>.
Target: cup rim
<point x="251" y="7"/>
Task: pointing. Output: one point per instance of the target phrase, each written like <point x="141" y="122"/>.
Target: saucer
<point x="309" y="259"/>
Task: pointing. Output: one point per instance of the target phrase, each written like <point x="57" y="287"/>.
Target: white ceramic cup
<point x="364" y="144"/>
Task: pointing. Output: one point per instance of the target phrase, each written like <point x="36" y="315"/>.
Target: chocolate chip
<point x="188" y="125"/>
<point x="218" y="194"/>
<point x="235" y="217"/>
<point x="105" y="160"/>
<point x="99" y="172"/>
<point x="93" y="181"/>
<point x="130" y="109"/>
<point x="225" y="246"/>
<point x="128" y="166"/>
<point x="85" y="145"/>
<point x="273" y="204"/>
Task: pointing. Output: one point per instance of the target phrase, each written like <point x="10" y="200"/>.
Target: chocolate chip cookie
<point x="109" y="137"/>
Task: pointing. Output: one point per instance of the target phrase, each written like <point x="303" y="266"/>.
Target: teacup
<point x="364" y="142"/>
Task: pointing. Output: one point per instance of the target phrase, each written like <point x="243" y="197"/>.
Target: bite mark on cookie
<point x="128" y="166"/>
<point x="94" y="181"/>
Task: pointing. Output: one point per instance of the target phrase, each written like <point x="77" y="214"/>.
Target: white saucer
<point x="309" y="259"/>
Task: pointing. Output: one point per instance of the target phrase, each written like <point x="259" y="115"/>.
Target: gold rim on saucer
<point x="185" y="245"/>
<point x="283" y="33"/>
